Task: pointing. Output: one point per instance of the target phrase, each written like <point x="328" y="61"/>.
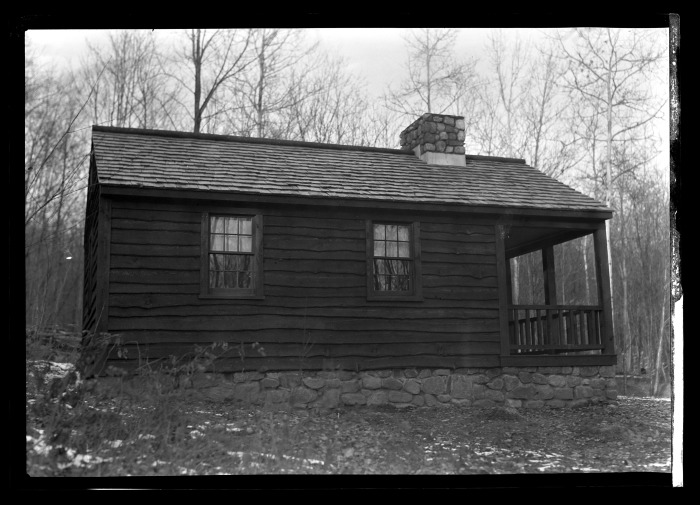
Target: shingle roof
<point x="170" y="160"/>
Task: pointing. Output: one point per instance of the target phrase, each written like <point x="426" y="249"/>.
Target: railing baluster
<point x="561" y="339"/>
<point x="528" y="330"/>
<point x="542" y="317"/>
<point x="589" y="327"/>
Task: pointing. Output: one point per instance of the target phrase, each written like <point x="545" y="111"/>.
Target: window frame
<point x="416" y="293"/>
<point x="256" y="291"/>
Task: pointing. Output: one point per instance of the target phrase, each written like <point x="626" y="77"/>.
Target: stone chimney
<point x="436" y="139"/>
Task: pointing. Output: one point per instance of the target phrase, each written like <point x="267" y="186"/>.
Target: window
<point x="232" y="256"/>
<point x="393" y="269"/>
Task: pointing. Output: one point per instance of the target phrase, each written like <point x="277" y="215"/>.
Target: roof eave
<point x="514" y="213"/>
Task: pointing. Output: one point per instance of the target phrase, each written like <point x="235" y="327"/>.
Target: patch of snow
<point x="661" y="465"/>
<point x="304" y="461"/>
<point x="83" y="460"/>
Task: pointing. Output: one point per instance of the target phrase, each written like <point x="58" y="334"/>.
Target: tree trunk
<point x="516" y="281"/>
<point x="197" y="61"/>
<point x="584" y="246"/>
<point x="659" y="353"/>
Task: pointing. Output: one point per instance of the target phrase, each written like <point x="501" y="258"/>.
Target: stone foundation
<point x="528" y="387"/>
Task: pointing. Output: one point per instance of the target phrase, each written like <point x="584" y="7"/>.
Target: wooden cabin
<point x="316" y="256"/>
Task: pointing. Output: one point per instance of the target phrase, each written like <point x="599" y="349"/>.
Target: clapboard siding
<point x="286" y="335"/>
<point x="91" y="253"/>
<point x="314" y="270"/>
<point x="147" y="301"/>
<point x="266" y="363"/>
<point x="297" y="350"/>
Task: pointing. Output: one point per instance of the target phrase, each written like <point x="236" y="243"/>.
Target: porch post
<point x="550" y="290"/>
<point x="503" y="271"/>
<point x="550" y="284"/>
<point x="509" y="283"/>
<point x="603" y="281"/>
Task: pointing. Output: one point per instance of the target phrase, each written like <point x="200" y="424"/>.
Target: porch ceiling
<point x="525" y="239"/>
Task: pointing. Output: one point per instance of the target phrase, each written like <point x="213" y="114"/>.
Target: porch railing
<point x="554" y="329"/>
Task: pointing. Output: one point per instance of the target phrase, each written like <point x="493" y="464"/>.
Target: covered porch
<point x="545" y="331"/>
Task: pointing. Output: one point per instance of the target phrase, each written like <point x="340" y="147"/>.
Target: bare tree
<point x="130" y="87"/>
<point x="214" y="59"/>
<point x="274" y="82"/>
<point x="331" y="106"/>
<point x="607" y="74"/>
<point x="550" y="145"/>
<point x="436" y="80"/>
<point x="54" y="173"/>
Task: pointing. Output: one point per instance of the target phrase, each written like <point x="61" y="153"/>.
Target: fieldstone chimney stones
<point x="436" y="139"/>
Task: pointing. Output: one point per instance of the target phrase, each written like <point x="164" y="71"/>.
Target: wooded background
<point x="581" y="105"/>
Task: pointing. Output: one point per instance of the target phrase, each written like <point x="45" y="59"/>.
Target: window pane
<point x="217" y="225"/>
<point x="391" y="249"/>
<point x="403" y="267"/>
<point x="379" y="232"/>
<point x="246" y="226"/>
<point x="402" y="282"/>
<point x="245" y="263"/>
<point x="217" y="242"/>
<point x="245" y="244"/>
<point x="380" y="283"/>
<point x="380" y="267"/>
<point x="216" y="261"/>
<point x="403" y="233"/>
<point x="245" y="280"/>
<point x="229" y="280"/>
<point x="232" y="243"/>
<point x="404" y="250"/>
<point x="230" y="262"/>
<point x="232" y="225"/>
<point x="379" y="248"/>
<point x="391" y="232"/>
<point x="216" y="279"/>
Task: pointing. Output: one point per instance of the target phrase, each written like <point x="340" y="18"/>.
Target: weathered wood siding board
<point x="240" y="323"/>
<point x="179" y="301"/>
<point x="297" y="350"/>
<point x="256" y="363"/>
<point x="314" y="287"/>
<point x="90" y="253"/>
<point x="286" y="335"/>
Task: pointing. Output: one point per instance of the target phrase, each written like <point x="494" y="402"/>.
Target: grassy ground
<point x="76" y="429"/>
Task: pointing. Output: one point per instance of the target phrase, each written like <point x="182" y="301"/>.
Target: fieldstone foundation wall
<point x="529" y="387"/>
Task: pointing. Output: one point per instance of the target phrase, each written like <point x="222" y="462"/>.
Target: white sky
<point x="377" y="54"/>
